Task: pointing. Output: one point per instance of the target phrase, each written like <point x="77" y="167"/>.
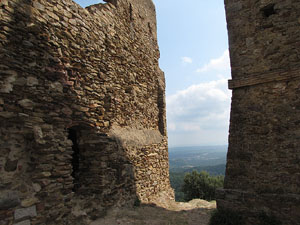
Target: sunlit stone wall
<point x="82" y="110"/>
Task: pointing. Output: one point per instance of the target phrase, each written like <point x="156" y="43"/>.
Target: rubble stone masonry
<point x="263" y="162"/>
<point x="82" y="110"/>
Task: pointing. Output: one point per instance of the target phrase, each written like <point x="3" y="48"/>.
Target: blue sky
<point x="193" y="43"/>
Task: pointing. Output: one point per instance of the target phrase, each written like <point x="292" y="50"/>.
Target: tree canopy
<point x="201" y="185"/>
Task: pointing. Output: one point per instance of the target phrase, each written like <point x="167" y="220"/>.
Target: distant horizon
<point x="196" y="146"/>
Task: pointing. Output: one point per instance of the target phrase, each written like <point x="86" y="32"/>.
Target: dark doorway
<point x="73" y="136"/>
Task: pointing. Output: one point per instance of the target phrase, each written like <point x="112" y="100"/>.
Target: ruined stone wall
<point x="82" y="110"/>
<point x="263" y="162"/>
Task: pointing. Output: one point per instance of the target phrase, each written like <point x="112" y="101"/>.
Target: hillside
<point x="201" y="158"/>
<point x="189" y="157"/>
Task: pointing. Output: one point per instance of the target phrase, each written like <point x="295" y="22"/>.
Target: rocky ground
<point x="195" y="212"/>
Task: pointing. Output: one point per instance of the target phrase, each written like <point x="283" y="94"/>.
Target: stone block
<point x="25" y="222"/>
<point x="38" y="6"/>
<point x="9" y="200"/>
<point x="7" y="115"/>
<point x="29" y="202"/>
<point x="32" y="81"/>
<point x="25" y="213"/>
<point x="26" y="103"/>
<point x="7" y="86"/>
<point x="38" y="135"/>
<point x="11" y="166"/>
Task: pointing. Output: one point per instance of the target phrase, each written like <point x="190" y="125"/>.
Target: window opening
<point x="73" y="136"/>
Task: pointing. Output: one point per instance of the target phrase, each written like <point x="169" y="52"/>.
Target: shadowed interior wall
<point x="93" y="72"/>
<point x="263" y="162"/>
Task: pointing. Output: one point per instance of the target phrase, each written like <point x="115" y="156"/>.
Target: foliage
<point x="264" y="219"/>
<point x="177" y="177"/>
<point x="137" y="202"/>
<point x="201" y="185"/>
<point x="176" y="180"/>
<point x="225" y="217"/>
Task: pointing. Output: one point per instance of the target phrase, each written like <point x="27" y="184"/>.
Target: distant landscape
<point x="199" y="158"/>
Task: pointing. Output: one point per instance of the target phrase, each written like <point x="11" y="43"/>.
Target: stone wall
<point x="82" y="110"/>
<point x="263" y="162"/>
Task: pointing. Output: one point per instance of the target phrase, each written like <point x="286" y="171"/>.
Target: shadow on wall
<point x="56" y="160"/>
<point x="103" y="175"/>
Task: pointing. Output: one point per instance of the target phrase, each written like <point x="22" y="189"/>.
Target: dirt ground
<point x="195" y="212"/>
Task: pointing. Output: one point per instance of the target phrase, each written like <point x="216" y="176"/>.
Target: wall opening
<point x="198" y="120"/>
<point x="268" y="10"/>
<point x="73" y="136"/>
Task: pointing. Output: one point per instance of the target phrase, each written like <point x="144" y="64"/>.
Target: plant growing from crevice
<point x="137" y="202"/>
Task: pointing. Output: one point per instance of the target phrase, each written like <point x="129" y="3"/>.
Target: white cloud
<point x="186" y="60"/>
<point x="171" y="126"/>
<point x="219" y="64"/>
<point x="199" y="114"/>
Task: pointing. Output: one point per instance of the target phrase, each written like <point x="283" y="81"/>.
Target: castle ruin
<point x="263" y="161"/>
<point x="82" y="110"/>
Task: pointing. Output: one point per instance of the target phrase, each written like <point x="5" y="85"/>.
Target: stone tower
<point x="263" y="162"/>
<point x="82" y="110"/>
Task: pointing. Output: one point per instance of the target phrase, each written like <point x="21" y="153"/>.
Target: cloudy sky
<point x="193" y="44"/>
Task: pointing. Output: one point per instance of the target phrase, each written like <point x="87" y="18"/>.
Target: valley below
<point x="211" y="159"/>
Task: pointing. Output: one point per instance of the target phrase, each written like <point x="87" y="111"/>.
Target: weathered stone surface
<point x="25" y="212"/>
<point x="36" y="187"/>
<point x="38" y="135"/>
<point x="262" y="172"/>
<point x="29" y="202"/>
<point x="135" y="136"/>
<point x="57" y="87"/>
<point x="38" y="6"/>
<point x="11" y="165"/>
<point x="7" y="86"/>
<point x="69" y="77"/>
<point x="9" y="199"/>
<point x="32" y="81"/>
<point x="26" y="103"/>
<point x="7" y="115"/>
<point x="25" y="222"/>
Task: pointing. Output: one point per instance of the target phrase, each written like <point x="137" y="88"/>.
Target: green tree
<point x="176" y="180"/>
<point x="201" y="185"/>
